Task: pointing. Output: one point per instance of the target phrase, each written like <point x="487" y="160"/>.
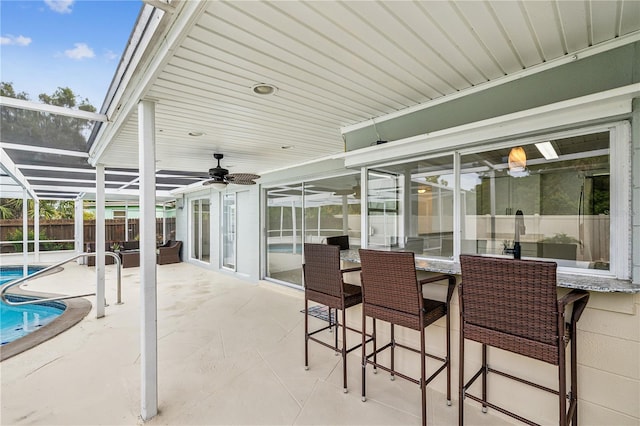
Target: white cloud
<point x="18" y="41"/>
<point x="60" y="6"/>
<point x="81" y="51"/>
<point x="110" y="55"/>
<point x="23" y="41"/>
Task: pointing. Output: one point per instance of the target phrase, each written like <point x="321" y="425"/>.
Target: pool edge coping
<point x="76" y="310"/>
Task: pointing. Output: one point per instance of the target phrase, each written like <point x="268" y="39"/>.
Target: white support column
<point x="126" y="221"/>
<point x="294" y="226"/>
<point x="364" y="200"/>
<point x="25" y="233"/>
<point x="148" y="284"/>
<point x="100" y="240"/>
<point x="345" y="215"/>
<point x="164" y="223"/>
<point x="406" y="228"/>
<point x="36" y="230"/>
<point x="79" y="229"/>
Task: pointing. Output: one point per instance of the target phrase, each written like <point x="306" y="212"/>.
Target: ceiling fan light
<point x="218" y="185"/>
<point x="517" y="159"/>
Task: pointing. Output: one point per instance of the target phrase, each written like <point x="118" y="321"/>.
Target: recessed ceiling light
<point x="196" y="134"/>
<point x="547" y="150"/>
<point x="264" y="89"/>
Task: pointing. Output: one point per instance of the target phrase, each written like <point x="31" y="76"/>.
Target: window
<point x="410" y="207"/>
<point x="314" y="210"/>
<point x="562" y="197"/>
<point x="555" y="203"/>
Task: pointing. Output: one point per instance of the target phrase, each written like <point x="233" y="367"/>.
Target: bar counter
<point x="608" y="341"/>
<point x="579" y="281"/>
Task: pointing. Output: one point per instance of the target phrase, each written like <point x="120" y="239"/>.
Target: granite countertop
<point x="580" y="281"/>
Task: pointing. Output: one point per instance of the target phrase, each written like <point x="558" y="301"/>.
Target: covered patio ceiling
<point x="333" y="65"/>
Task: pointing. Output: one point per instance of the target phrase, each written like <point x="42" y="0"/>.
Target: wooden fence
<point x="64" y="230"/>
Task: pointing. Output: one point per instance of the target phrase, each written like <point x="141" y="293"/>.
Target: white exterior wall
<point x="608" y="337"/>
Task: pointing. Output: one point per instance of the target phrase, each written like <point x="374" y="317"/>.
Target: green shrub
<point x="44" y="245"/>
<point x="561" y="238"/>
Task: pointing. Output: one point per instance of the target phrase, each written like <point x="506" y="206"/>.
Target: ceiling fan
<point x="220" y="177"/>
<point x="354" y="190"/>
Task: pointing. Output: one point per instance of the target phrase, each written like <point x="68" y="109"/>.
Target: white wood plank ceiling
<point x="339" y="63"/>
<point x="336" y="64"/>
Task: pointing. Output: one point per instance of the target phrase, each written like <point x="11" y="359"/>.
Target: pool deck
<point x="229" y="352"/>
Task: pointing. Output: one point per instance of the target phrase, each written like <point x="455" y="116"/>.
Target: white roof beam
<point x="52" y="109"/>
<point x="10" y="168"/>
<point x="45" y="150"/>
<point x="142" y="82"/>
<point x="164" y="5"/>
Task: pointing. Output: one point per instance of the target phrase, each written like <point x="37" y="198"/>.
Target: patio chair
<point x="91" y="248"/>
<point x="513" y="305"/>
<point x="324" y="284"/>
<point x="169" y="252"/>
<point x="341" y="240"/>
<point x="391" y="292"/>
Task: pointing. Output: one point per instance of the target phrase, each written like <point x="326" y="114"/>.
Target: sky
<point x="46" y="44"/>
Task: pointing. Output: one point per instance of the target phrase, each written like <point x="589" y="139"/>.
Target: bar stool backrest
<point x="389" y="280"/>
<point x="341" y="240"/>
<point x="514" y="297"/>
<point x="322" y="269"/>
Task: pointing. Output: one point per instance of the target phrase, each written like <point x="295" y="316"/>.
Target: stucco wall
<point x="608" y="363"/>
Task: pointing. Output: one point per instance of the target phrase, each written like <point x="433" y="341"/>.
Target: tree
<point x="6" y="89"/>
<point x="47" y="130"/>
<point x="42" y="128"/>
<point x="11" y="208"/>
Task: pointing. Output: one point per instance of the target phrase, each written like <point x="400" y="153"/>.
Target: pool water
<point x="284" y="248"/>
<point x="10" y="273"/>
<point x="18" y="321"/>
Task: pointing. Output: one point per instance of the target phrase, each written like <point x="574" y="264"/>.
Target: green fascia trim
<point x="608" y="70"/>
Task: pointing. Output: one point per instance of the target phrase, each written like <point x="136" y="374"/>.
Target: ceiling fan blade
<point x="343" y="192"/>
<point x="242" y="178"/>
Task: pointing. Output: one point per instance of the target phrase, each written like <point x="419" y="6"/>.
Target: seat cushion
<point x="352" y="295"/>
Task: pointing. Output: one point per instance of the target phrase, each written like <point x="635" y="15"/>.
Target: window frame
<point x="620" y="188"/>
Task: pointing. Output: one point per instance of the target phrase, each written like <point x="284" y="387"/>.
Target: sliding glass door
<point x="229" y="230"/>
<point x="200" y="230"/>
<point x="284" y="233"/>
<point x="308" y="212"/>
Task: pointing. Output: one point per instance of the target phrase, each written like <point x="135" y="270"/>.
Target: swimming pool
<point x="10" y="273"/>
<point x="284" y="248"/>
<point x="18" y="321"/>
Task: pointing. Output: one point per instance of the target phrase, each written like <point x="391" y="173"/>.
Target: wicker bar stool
<point x="324" y="284"/>
<point x="391" y="292"/>
<point x="513" y="305"/>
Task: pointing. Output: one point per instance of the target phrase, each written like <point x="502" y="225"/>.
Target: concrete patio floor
<point x="230" y="352"/>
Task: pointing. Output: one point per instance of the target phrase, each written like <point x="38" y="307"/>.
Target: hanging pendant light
<point x="517" y="161"/>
